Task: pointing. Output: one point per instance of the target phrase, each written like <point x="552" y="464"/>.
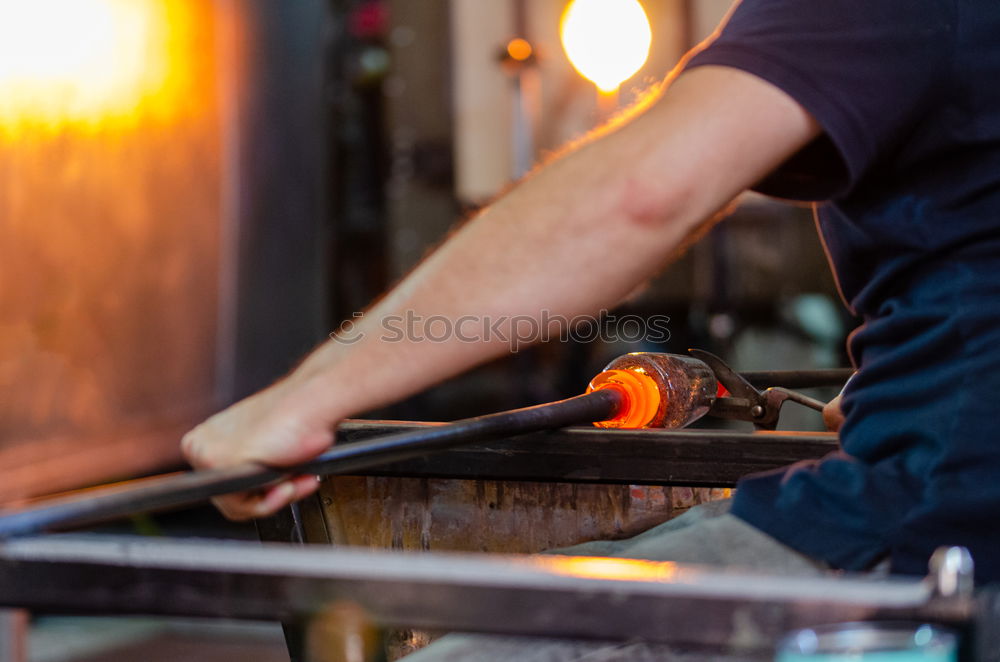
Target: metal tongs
<point x="745" y="402"/>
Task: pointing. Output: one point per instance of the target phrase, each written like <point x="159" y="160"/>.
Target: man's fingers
<point x="238" y="507"/>
<point x="306" y="485"/>
<point x="251" y="505"/>
<point x="274" y="499"/>
<point x="281" y="426"/>
<point x="279" y="496"/>
<point x="191" y="448"/>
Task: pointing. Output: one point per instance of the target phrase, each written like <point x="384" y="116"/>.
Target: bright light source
<point x="597" y="567"/>
<point x="80" y="59"/>
<point x="606" y="40"/>
<point x="519" y="49"/>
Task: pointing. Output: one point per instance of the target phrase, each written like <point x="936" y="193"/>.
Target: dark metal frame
<point x="300" y="523"/>
<point x="281" y="293"/>
<point x="613" y="599"/>
<point x="700" y="458"/>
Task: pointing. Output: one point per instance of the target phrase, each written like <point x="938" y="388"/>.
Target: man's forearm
<point x="577" y="236"/>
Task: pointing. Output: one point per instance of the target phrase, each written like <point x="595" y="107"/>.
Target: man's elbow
<point x="650" y="204"/>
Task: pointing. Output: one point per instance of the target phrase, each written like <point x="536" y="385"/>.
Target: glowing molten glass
<point x="606" y="40"/>
<point x="641" y="397"/>
<point x="82" y="60"/>
<point x="659" y="390"/>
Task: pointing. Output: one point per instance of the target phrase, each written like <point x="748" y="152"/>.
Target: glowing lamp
<point x="607" y="41"/>
<point x="519" y="49"/>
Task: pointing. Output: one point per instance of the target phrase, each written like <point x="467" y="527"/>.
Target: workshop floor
<point x="153" y="640"/>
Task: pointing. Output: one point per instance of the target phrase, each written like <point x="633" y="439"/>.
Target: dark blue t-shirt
<point x="907" y="174"/>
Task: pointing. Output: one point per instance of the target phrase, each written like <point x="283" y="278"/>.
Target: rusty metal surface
<point x="409" y="506"/>
<point x="493" y="516"/>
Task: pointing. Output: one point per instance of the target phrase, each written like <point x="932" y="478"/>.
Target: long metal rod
<point x="102" y="504"/>
<point x="540" y="595"/>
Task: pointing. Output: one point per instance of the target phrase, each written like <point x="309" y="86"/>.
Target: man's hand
<point x="283" y="425"/>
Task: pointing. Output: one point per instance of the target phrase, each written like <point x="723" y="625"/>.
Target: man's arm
<point x="576" y="237"/>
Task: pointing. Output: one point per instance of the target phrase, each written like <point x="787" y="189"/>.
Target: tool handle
<point x="803" y="400"/>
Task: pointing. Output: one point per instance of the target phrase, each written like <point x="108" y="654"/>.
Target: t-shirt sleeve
<point x="867" y="71"/>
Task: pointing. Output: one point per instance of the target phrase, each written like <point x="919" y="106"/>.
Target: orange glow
<point x="519" y="49"/>
<point x="88" y="61"/>
<point x="606" y="40"/>
<point x="597" y="567"/>
<point x="113" y="180"/>
<point x="642" y="397"/>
